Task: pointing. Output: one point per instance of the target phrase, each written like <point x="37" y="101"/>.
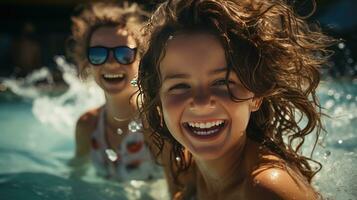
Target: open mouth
<point x="205" y="129"/>
<point x="114" y="78"/>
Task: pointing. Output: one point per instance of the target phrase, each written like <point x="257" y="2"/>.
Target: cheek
<point x="175" y="100"/>
<point x="240" y="117"/>
<point x="133" y="70"/>
<point x="172" y="108"/>
<point x="171" y="120"/>
<point x="95" y="73"/>
<point x="221" y="93"/>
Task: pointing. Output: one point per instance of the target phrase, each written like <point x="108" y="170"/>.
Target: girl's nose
<point x="111" y="58"/>
<point x="202" y="102"/>
<point x="111" y="62"/>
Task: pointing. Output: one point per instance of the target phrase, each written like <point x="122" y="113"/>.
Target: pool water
<point x="37" y="142"/>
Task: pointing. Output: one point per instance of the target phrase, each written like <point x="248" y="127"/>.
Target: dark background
<point x="45" y="26"/>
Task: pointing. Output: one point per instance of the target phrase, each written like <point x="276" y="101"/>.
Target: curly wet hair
<point x="98" y="14"/>
<point x="275" y="53"/>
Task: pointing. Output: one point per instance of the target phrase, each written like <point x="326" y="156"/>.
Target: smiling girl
<point x="230" y="81"/>
<point x="106" y="40"/>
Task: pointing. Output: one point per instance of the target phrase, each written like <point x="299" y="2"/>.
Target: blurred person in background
<point x="106" y="39"/>
<point x="105" y="45"/>
<point x="26" y="55"/>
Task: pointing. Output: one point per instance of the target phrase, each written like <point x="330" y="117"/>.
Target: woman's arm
<point x="85" y="126"/>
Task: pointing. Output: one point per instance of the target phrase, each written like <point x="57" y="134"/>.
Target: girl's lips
<point x="205" y="132"/>
<point x="114" y="78"/>
<point x="114" y="85"/>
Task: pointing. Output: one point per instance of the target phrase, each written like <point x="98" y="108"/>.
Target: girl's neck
<point x="119" y="111"/>
<point x="222" y="173"/>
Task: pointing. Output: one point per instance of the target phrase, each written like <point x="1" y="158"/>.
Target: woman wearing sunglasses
<point x="105" y="46"/>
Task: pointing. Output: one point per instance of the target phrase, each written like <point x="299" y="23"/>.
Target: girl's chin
<point x="113" y="88"/>
<point x="207" y="153"/>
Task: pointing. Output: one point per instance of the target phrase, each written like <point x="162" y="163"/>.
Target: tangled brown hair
<point x="99" y="14"/>
<point x="275" y="53"/>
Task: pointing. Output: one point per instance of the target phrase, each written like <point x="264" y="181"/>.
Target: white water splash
<point x="59" y="112"/>
<point x="337" y="148"/>
<point x="63" y="111"/>
<point x="25" y="87"/>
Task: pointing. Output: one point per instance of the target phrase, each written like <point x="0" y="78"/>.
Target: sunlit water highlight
<point x="37" y="142"/>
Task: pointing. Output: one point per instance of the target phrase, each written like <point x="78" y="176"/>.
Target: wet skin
<point x="193" y="72"/>
<point x="200" y="115"/>
<point x="118" y="101"/>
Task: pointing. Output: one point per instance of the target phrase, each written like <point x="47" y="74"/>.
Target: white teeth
<point x="200" y="128"/>
<point x="205" y="125"/>
<point x="113" y="75"/>
<point x="205" y="132"/>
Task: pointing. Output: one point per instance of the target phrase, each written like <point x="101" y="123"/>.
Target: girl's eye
<point x="180" y="86"/>
<point x="223" y="82"/>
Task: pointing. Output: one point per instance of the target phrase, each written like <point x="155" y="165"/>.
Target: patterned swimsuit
<point x="130" y="160"/>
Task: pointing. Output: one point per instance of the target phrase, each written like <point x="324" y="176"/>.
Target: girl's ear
<point x="255" y="104"/>
<point x="158" y="108"/>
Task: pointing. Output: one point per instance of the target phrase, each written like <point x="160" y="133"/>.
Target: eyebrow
<point x="219" y="70"/>
<point x="183" y="76"/>
<point x="175" y="76"/>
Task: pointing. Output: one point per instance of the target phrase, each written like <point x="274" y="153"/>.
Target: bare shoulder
<point x="277" y="180"/>
<point x="88" y="121"/>
<point x="86" y="124"/>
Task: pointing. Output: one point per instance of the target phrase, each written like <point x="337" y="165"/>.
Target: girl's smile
<point x="112" y="76"/>
<point x="205" y="129"/>
<point x="194" y="87"/>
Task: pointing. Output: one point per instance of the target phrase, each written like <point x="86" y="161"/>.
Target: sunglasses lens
<point x="125" y="55"/>
<point x="97" y="55"/>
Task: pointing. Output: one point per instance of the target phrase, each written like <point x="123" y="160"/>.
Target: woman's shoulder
<point x="87" y="122"/>
<point x="274" y="178"/>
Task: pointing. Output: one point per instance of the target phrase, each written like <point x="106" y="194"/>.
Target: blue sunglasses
<point x="98" y="55"/>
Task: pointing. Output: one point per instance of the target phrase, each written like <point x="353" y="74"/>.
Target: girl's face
<point x="196" y="104"/>
<point x="112" y="76"/>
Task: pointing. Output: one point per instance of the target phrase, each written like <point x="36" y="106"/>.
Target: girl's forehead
<point x="193" y="49"/>
<point x="199" y="41"/>
<point x="111" y="36"/>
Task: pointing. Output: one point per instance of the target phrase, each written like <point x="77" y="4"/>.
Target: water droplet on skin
<point x="111" y="154"/>
<point x="256" y="182"/>
<point x="178" y="159"/>
<point x="119" y="131"/>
